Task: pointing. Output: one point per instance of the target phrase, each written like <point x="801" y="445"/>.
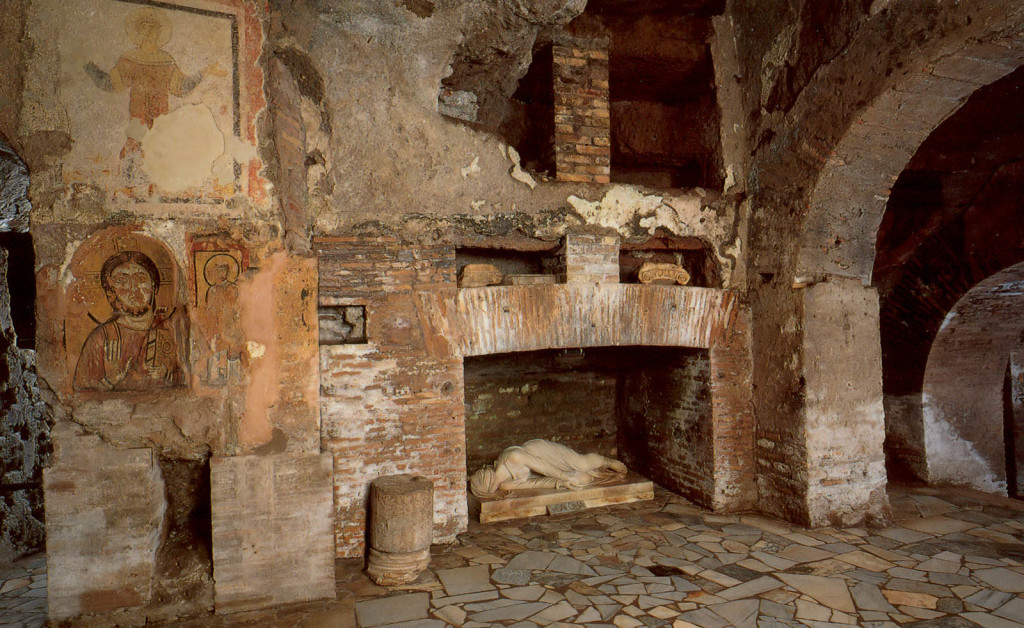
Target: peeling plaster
<point x="181" y="148"/>
<point x="951" y="458"/>
<point x="625" y="206"/>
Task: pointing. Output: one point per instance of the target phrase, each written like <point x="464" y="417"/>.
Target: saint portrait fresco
<point x="149" y="74"/>
<point x="218" y="270"/>
<point x="161" y="98"/>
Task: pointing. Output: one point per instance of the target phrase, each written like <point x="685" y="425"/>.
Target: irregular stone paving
<point x="23" y="592"/>
<point x="952" y="558"/>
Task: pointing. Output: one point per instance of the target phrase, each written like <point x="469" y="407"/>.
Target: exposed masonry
<point x="582" y="119"/>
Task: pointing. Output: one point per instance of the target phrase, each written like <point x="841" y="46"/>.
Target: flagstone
<point x="839" y="617"/>
<point x="392" y="610"/>
<point x="608" y="610"/>
<point x="921" y="613"/>
<point x="719" y="578"/>
<point x="531" y="593"/>
<point x="662" y="612"/>
<point x="831" y="592"/>
<point x="558" y="612"/>
<point x="531" y="560"/>
<point x="803" y="539"/>
<point x="989" y="621"/>
<point x="704" y="618"/>
<point x="903" y="535"/>
<point x="740" y="613"/>
<point x="512" y="612"/>
<point x="466" y="579"/>
<point x="803" y="553"/>
<point x="806" y="609"/>
<point x="1002" y="579"/>
<point x="451" y="614"/>
<point x="625" y="621"/>
<point x="551" y="597"/>
<point x="589" y="616"/>
<point x="868" y="597"/>
<point x="908" y="574"/>
<point x="909" y="598"/>
<point x="989" y="599"/>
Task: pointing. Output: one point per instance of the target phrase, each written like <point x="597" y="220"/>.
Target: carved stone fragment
<point x="479" y="275"/>
<point x="663" y="274"/>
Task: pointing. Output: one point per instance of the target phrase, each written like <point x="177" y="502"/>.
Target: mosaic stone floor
<point x="950" y="559"/>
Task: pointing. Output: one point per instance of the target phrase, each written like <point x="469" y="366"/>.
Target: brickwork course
<point x="582" y="119"/>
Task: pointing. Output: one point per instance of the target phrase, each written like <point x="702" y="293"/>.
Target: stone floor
<point x="952" y="558"/>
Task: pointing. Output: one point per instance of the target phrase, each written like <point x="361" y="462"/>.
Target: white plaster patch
<point x="472" y="168"/>
<point x="255" y="349"/>
<point x="952" y="459"/>
<point x="181" y="148"/>
<point x="517" y="171"/>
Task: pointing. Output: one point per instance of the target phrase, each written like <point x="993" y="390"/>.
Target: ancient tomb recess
<point x="625" y="86"/>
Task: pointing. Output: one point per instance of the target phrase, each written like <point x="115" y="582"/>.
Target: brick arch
<point x="962" y="392"/>
<point x="846" y="206"/>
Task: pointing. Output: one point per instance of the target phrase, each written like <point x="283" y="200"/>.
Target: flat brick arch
<point x="962" y="400"/>
<point x="852" y="190"/>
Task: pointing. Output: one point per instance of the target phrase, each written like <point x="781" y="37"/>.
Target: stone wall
<point x="25" y="421"/>
<point x="394" y="403"/>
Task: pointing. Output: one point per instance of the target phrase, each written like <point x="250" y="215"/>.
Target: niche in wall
<point x="647" y="406"/>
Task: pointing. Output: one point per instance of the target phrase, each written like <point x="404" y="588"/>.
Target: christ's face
<point x="133" y="288"/>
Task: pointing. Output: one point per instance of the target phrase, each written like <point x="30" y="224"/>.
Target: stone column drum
<point x="401" y="528"/>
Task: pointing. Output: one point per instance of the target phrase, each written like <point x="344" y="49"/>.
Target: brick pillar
<point x="582" y="122"/>
<point x="732" y="412"/>
<point x="591" y="258"/>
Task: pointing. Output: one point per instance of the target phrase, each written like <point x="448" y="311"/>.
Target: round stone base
<point x="387" y="569"/>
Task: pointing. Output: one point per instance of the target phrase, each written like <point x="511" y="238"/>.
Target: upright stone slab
<point x="104" y="522"/>
<point x="273" y="530"/>
<point x="401" y="528"/>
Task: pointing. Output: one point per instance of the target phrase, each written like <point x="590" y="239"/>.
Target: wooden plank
<point x="536" y="502"/>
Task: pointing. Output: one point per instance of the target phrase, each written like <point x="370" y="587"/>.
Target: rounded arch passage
<point x="846" y="206"/>
<point x="962" y="398"/>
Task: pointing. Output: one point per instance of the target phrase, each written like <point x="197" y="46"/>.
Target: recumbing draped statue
<point x="541" y="463"/>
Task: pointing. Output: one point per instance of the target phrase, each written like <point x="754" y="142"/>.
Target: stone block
<point x="273" y="530"/>
<point x="104" y="520"/>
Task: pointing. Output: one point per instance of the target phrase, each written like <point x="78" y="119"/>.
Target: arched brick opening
<point x="852" y="190"/>
<point x="963" y="412"/>
<point x="851" y="193"/>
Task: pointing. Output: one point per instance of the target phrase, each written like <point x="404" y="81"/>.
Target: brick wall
<point x="582" y="121"/>
<point x="395" y="403"/>
<point x="666" y="428"/>
<point x="733" y="418"/>
<point x="591" y="258"/>
<point x="568" y="397"/>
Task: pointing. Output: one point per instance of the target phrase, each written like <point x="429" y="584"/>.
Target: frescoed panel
<point x="218" y="265"/>
<point x="160" y="98"/>
<point x="126" y="329"/>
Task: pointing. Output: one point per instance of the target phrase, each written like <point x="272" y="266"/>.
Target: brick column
<point x="582" y="122"/>
<point x="591" y="258"/>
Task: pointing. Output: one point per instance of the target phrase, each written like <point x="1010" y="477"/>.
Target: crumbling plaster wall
<point x="393" y="165"/>
<point x="808" y="70"/>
